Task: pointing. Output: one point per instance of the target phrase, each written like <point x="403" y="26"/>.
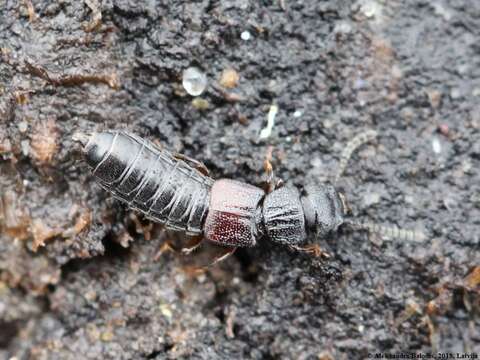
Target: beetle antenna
<point x="352" y="145"/>
<point x="392" y="232"/>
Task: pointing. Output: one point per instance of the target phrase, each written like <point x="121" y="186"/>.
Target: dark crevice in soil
<point x="154" y="354"/>
<point x="250" y="272"/>
<point x="9" y="331"/>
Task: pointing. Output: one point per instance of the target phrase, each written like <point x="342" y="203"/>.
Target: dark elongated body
<point x="150" y="180"/>
<point x="227" y="212"/>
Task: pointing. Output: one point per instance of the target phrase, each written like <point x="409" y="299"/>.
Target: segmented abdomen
<point x="150" y="180"/>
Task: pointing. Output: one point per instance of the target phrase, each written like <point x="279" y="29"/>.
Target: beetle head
<point x="324" y="209"/>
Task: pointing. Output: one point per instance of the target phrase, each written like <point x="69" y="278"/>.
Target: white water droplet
<point x="245" y="35"/>
<point x="194" y="81"/>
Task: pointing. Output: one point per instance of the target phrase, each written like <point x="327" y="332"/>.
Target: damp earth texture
<point x="81" y="276"/>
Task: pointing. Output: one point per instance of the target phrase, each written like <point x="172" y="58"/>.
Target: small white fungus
<point x="25" y="146"/>
<point x="297" y="113"/>
<point x="22" y="126"/>
<point x="370" y="8"/>
<point x="436" y="146"/>
<point x="265" y="133"/>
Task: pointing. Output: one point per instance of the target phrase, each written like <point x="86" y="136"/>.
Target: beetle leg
<point x="166" y="247"/>
<point x="196" y="164"/>
<point x="80" y="138"/>
<point x="12" y="98"/>
<point x="221" y="257"/>
<point x="270" y="176"/>
<point x="158" y="144"/>
<point x="311" y="249"/>
<point x="197" y="241"/>
<point x="270" y="182"/>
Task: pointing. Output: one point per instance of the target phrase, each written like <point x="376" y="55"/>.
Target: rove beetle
<point x="176" y="191"/>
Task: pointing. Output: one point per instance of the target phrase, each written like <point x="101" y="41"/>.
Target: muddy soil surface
<point x="83" y="277"/>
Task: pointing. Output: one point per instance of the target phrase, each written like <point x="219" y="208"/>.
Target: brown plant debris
<point x="73" y="79"/>
<point x="44" y="141"/>
<point x="96" y="20"/>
